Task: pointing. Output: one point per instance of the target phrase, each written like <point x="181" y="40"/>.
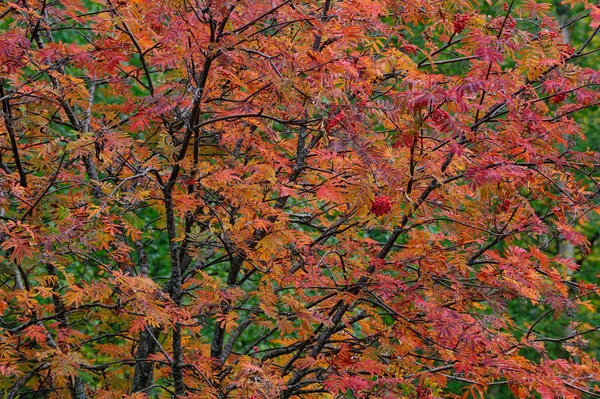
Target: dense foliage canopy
<point x="295" y="199"/>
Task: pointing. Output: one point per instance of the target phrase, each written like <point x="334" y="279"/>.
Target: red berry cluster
<point x="528" y="90"/>
<point x="334" y="121"/>
<point x="409" y="48"/>
<point x="509" y="27"/>
<point x="460" y="22"/>
<point x="156" y="26"/>
<point x="510" y="23"/>
<point x="505" y="205"/>
<point x="381" y="205"/>
<point x="558" y="98"/>
<point x="551" y="34"/>
<point x="423" y="392"/>
<point x="439" y="115"/>
<point x="566" y="51"/>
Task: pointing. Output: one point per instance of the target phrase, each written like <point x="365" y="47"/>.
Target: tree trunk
<point x="143" y="376"/>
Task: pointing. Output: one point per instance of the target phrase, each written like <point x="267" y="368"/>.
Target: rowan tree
<point x="294" y="199"/>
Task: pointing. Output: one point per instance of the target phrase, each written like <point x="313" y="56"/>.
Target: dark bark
<point x="175" y="292"/>
<point x="143" y="376"/>
<point x="8" y="122"/>
<point x="143" y="265"/>
<point x="177" y="367"/>
<point x="76" y="386"/>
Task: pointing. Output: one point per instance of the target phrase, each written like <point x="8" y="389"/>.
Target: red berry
<point x="409" y="48"/>
<point x="381" y="205"/>
<point x="567" y="51"/>
<point x="439" y="115"/>
<point x="510" y="22"/>
<point x="156" y="26"/>
<point x="505" y="206"/>
<point x="423" y="392"/>
<point x="508" y="27"/>
<point x="334" y="121"/>
<point x="558" y="98"/>
<point x="460" y="22"/>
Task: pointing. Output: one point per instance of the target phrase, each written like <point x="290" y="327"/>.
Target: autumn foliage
<point x="294" y="199"/>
